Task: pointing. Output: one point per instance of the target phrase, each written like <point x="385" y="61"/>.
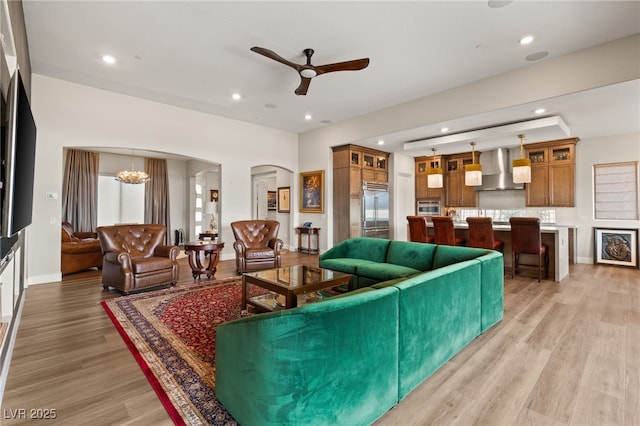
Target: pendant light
<point x="473" y="171"/>
<point x="521" y="166"/>
<point x="434" y="174"/>
<point x="132" y="177"/>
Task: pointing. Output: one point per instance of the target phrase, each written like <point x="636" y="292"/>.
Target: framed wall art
<point x="272" y="201"/>
<point x="312" y="192"/>
<point x="284" y="199"/>
<point x="616" y="246"/>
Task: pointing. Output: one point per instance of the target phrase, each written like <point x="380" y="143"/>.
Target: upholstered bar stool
<point x="481" y="234"/>
<point x="444" y="231"/>
<point x="418" y="230"/>
<point x="527" y="239"/>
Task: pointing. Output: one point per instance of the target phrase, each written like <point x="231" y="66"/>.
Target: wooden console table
<point x="309" y="232"/>
<point x="197" y="250"/>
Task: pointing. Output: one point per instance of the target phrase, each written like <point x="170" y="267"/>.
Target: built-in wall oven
<point x="428" y="208"/>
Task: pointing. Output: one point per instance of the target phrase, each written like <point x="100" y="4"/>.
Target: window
<point x="616" y="191"/>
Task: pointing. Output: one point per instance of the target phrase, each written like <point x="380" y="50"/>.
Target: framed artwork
<point x="284" y="199"/>
<point x="616" y="246"/>
<point x="312" y="192"/>
<point x="271" y="200"/>
<point x="213" y="194"/>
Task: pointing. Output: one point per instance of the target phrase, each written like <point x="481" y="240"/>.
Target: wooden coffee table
<point x="286" y="284"/>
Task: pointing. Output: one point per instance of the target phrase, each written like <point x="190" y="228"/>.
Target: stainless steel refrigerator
<point x="375" y="210"/>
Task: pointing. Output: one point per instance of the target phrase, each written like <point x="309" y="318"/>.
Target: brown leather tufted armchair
<point x="135" y="257"/>
<point x="257" y="244"/>
<point x="78" y="250"/>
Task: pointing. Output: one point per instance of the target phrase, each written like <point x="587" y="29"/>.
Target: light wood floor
<point x="565" y="354"/>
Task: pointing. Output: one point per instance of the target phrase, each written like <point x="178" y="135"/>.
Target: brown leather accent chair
<point x="418" y="230"/>
<point x="136" y="258"/>
<point x="527" y="239"/>
<point x="257" y="244"/>
<point x="444" y="231"/>
<point x="78" y="250"/>
<point x="481" y="234"/>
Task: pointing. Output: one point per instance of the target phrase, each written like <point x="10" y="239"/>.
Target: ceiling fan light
<point x="308" y="73"/>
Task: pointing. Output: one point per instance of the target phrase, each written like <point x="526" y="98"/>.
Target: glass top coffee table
<point x="284" y="285"/>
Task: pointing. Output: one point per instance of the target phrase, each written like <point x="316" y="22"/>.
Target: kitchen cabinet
<point x="552" y="173"/>
<point x="458" y="194"/>
<point x="423" y="165"/>
<point x="353" y="165"/>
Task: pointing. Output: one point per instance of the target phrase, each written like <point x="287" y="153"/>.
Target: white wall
<point x="72" y="115"/>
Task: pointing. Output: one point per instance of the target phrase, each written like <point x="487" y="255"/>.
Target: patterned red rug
<point x="171" y="333"/>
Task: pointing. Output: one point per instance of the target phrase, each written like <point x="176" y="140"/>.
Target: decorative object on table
<point x="176" y="349"/>
<point x="211" y="208"/>
<point x="307" y="224"/>
<point x="213" y="193"/>
<point x="272" y="201"/>
<point x="434" y="174"/>
<point x="312" y="192"/>
<point x="284" y="199"/>
<point x="521" y="166"/>
<point x="616" y="246"/>
<point x="308" y="71"/>
<point x="473" y="171"/>
<point x="132" y="176"/>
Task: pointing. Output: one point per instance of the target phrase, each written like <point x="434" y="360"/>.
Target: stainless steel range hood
<point x="497" y="173"/>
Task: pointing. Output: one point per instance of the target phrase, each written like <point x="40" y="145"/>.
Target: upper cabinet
<point x="457" y="193"/>
<point x="374" y="166"/>
<point x="423" y="165"/>
<point x="552" y="173"/>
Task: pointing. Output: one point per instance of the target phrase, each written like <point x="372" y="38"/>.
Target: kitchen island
<point x="559" y="238"/>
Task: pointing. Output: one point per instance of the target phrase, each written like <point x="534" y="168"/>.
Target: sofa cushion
<point x="140" y="265"/>
<point x="260" y="253"/>
<point x="344" y="264"/>
<point x="373" y="249"/>
<point x="448" y="255"/>
<point x="384" y="271"/>
<point x="412" y="255"/>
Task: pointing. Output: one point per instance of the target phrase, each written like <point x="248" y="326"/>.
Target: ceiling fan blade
<point x="354" y="65"/>
<point x="304" y="86"/>
<point x="273" y="55"/>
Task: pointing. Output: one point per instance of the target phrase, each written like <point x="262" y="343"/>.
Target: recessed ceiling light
<point x="444" y="129"/>
<point x="270" y="106"/>
<point x="236" y="96"/>
<point x="380" y="142"/>
<point x="326" y="121"/>
<point x="526" y="40"/>
<point x="308" y="117"/>
<point x="540" y="111"/>
<point x="108" y="59"/>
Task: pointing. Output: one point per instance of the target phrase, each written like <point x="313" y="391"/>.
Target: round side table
<point x="199" y="250"/>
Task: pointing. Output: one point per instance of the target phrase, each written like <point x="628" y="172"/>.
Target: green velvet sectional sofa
<point x="350" y="358"/>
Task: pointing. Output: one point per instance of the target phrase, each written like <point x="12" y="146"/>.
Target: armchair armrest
<point x="122" y="258"/>
<point x="167" y="251"/>
<point x="276" y="244"/>
<point x="239" y="247"/>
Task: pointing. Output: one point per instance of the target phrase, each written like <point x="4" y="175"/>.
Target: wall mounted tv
<point x="18" y="160"/>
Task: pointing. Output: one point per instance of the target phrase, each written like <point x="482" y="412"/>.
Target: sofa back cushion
<point x="373" y="249"/>
<point x="137" y="240"/>
<point x="413" y="255"/>
<point x="446" y="255"/>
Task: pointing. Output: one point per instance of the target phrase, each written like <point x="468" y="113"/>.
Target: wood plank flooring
<point x="565" y="354"/>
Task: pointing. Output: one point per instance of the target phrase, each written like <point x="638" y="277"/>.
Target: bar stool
<point x="481" y="234"/>
<point x="527" y="239"/>
<point x="444" y="231"/>
<point x="418" y="230"/>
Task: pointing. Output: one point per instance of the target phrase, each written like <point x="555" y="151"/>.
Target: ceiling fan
<point x="308" y="71"/>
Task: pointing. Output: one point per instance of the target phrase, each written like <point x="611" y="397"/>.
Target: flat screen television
<point x="18" y="160"/>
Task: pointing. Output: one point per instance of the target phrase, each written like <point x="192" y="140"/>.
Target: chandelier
<point x="132" y="176"/>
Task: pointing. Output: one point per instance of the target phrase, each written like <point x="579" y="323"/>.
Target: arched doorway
<point x="267" y="181"/>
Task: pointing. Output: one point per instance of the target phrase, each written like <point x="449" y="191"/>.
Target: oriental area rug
<point x="171" y="334"/>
